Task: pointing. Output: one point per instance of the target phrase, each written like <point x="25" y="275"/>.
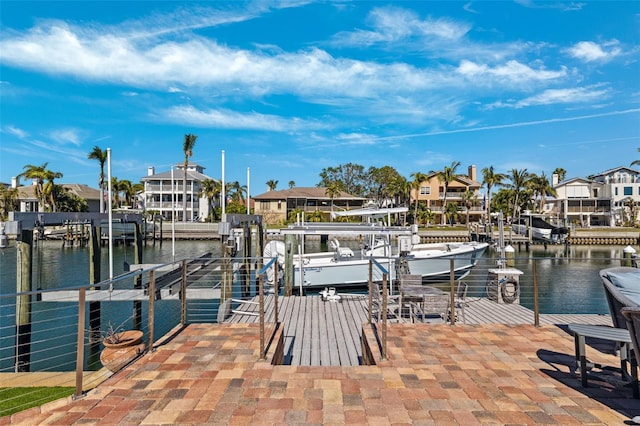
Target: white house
<point x="163" y="192"/>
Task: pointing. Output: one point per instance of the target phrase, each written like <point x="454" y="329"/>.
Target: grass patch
<point x="13" y="400"/>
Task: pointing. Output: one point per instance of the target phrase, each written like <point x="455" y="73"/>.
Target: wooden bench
<point x="618" y="335"/>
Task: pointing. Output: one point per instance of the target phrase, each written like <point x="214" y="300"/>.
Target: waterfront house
<point x="602" y="200"/>
<point x="28" y="202"/>
<point x="165" y="195"/>
<point x="432" y="193"/>
<point x="275" y="206"/>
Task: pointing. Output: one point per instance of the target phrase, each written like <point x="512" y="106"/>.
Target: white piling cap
<point x="629" y="249"/>
<point x="509" y="249"/>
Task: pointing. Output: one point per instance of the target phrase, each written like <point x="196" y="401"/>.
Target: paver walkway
<point x="436" y="374"/>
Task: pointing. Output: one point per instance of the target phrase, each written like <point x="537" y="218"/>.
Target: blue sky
<point x="289" y="88"/>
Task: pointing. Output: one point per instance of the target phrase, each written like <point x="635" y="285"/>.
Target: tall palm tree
<point x="418" y="178"/>
<point x="272" y="184"/>
<point x="333" y="190"/>
<point x="292" y="184"/>
<point x="187" y="147"/>
<point x="446" y="176"/>
<point x="101" y="156"/>
<point x="636" y="162"/>
<point x="236" y="191"/>
<point x="519" y="180"/>
<point x="490" y="179"/>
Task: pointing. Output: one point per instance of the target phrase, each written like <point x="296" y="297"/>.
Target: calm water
<point x="567" y="279"/>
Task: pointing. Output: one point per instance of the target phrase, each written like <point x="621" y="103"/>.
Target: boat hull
<point x="431" y="262"/>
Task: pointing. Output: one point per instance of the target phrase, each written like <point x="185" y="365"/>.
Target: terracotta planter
<point x="121" y="348"/>
<point x="123" y="339"/>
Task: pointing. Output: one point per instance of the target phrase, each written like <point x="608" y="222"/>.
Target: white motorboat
<point x="343" y="266"/>
<point x="539" y="229"/>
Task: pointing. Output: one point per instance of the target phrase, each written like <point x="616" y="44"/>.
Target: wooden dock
<point x="318" y="332"/>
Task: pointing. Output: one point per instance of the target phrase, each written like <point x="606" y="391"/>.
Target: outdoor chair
<point x="393" y="304"/>
<point x="622" y="289"/>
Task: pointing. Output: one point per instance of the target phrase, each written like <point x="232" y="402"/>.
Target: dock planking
<point x="326" y="333"/>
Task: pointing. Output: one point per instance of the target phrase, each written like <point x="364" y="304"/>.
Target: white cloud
<point x="566" y="96"/>
<point x="589" y="51"/>
<point x="19" y="133"/>
<point x="227" y="119"/>
<point x="512" y="71"/>
<point x="66" y="136"/>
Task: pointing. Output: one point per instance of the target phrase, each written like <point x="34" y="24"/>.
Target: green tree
<point x="38" y="174"/>
<point x="187" y="148"/>
<point x="67" y="201"/>
<point x="272" y="184"/>
<point x="210" y="189"/>
<point x="519" y="181"/>
<point x="469" y="199"/>
<point x="354" y="178"/>
<point x="561" y="173"/>
<point x="490" y="179"/>
<point x="292" y="184"/>
<point x="8" y="201"/>
<point x="446" y="176"/>
<point x="427" y="216"/>
<point x="235" y="191"/>
<point x="382" y="183"/>
<point x="451" y="212"/>
<point x="100" y="156"/>
<point x="540" y="187"/>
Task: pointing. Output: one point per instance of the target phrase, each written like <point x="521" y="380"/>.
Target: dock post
<point x="23" y="302"/>
<point x="94" y="277"/>
<point x="152" y="298"/>
<point x="246" y="253"/>
<point x="82" y="294"/>
<point x="263" y="352"/>
<point x="137" y="280"/>
<point x="452" y="301"/>
<point x="536" y="306"/>
<point x="288" y="264"/>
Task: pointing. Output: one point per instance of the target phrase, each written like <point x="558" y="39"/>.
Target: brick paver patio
<point x="435" y="374"/>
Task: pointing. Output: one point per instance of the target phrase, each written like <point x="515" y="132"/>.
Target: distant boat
<point x="539" y="229"/>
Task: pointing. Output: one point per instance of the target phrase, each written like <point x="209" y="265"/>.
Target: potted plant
<point x="121" y="347"/>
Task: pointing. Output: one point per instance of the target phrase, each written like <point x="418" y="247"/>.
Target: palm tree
<point x="468" y="200"/>
<point x="541" y="187"/>
<point x="561" y="173"/>
<point x="210" y="189"/>
<point x="292" y="184"/>
<point x="48" y="190"/>
<point x="446" y="176"/>
<point x="187" y="148"/>
<point x="418" y="178"/>
<point x="272" y="184"/>
<point x="490" y="179"/>
<point x="126" y="187"/>
<point x="40" y="174"/>
<point x="236" y="191"/>
<point x="8" y="201"/>
<point x="519" y="179"/>
<point x="333" y="190"/>
<point x="101" y="156"/>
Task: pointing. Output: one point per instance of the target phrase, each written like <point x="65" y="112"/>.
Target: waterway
<point x="567" y="279"/>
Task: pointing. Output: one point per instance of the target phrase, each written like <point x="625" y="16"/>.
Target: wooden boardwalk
<point x="328" y="333"/>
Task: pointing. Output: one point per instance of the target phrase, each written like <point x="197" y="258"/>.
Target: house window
<point x="265" y="205"/>
<point x="279" y="204"/>
<point x="628" y="190"/>
<point x="616" y="190"/>
<point x="425" y="190"/>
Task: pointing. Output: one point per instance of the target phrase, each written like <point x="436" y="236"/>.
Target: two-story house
<point x="164" y="193"/>
<point x="275" y="206"/>
<point x="432" y="193"/>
